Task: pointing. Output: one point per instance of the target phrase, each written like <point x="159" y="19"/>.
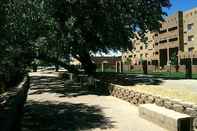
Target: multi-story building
<point x="190" y="30"/>
<point x="169" y="40"/>
<point x="141" y="51"/>
<point x="177" y="38"/>
<point x="190" y="35"/>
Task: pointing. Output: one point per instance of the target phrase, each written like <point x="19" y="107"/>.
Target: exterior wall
<point x="190" y="29"/>
<point x="141" y="51"/>
<point x="170" y="37"/>
<point x="174" y="37"/>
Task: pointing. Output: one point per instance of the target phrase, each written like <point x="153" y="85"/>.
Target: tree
<point x="174" y="61"/>
<point x="54" y="30"/>
<point x="91" y="26"/>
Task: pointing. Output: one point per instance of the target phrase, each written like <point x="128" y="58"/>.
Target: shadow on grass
<point x="128" y="79"/>
<point x="47" y="116"/>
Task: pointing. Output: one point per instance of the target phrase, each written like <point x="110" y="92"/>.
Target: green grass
<point x="171" y="92"/>
<point x="175" y="75"/>
<point x="172" y="75"/>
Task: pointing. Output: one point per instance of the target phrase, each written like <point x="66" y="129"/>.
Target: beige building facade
<point x="169" y="40"/>
<point x="141" y="51"/>
<point x="177" y="38"/>
<point x="190" y="34"/>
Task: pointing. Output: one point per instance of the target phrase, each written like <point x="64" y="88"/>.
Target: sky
<point x="181" y="5"/>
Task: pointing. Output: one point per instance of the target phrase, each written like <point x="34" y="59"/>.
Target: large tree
<point x="91" y="26"/>
<point x="54" y="30"/>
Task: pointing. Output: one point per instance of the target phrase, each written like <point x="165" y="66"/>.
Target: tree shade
<point x="54" y="30"/>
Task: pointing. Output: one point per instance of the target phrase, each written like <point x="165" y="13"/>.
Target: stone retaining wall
<point x="11" y="106"/>
<point x="137" y="98"/>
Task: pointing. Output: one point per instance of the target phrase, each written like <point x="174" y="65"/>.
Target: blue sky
<point x="181" y="5"/>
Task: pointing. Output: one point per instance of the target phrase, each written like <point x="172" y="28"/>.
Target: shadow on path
<point x="47" y="116"/>
<point x="66" y="88"/>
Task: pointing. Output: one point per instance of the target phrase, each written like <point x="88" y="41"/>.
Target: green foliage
<point x="93" y="26"/>
<point x="54" y="30"/>
<point x="18" y="32"/>
<point x="128" y="61"/>
<point x="174" y="59"/>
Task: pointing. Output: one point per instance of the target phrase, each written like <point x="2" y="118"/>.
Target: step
<point x="168" y="119"/>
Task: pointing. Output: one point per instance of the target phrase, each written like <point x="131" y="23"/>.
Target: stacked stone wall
<point x="137" y="98"/>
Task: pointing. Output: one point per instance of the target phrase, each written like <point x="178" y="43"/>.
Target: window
<point x="173" y="39"/>
<point x="162" y="31"/>
<point x="163" y="41"/>
<point x="141" y="47"/>
<point x="156" y="44"/>
<point x="191" y="49"/>
<point x="172" y="29"/>
<point x="156" y="53"/>
<point x="190" y="26"/>
<point x="190" y="38"/>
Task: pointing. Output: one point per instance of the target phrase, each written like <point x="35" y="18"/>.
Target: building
<point x="190" y="36"/>
<point x="109" y="64"/>
<point x="190" y="30"/>
<point x="177" y="38"/>
<point x="141" y="51"/>
<point x="169" y="40"/>
<point x="160" y="45"/>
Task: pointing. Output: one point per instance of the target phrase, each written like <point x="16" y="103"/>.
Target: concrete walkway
<point x="53" y="105"/>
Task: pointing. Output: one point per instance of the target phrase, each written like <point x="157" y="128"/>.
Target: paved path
<point x="53" y="105"/>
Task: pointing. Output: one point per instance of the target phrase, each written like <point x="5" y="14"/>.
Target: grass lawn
<point x="168" y="75"/>
<point x="184" y="94"/>
<point x="172" y="75"/>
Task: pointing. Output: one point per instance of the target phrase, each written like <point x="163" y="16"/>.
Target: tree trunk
<point x="87" y="64"/>
<point x="145" y="67"/>
<point x="56" y="68"/>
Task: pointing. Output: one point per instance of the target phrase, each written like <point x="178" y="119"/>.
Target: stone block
<point x="131" y="94"/>
<point x="168" y="104"/>
<point x="178" y="108"/>
<point x="195" y="123"/>
<point x="159" y="101"/>
<point x="194" y="106"/>
<point x="141" y="101"/>
<point x="191" y="112"/>
<point x="187" y="104"/>
<point x="168" y="119"/>
<point x="150" y="99"/>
